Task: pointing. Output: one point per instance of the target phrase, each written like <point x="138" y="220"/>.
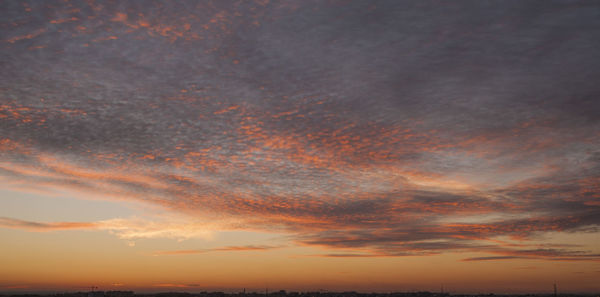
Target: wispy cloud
<point x="246" y="248"/>
<point x="131" y="228"/>
<point x="492" y="258"/>
<point x="540" y="254"/>
<point x="167" y="285"/>
<point x="42" y="227"/>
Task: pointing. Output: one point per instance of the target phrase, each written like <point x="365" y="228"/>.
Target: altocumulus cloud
<point x="389" y="128"/>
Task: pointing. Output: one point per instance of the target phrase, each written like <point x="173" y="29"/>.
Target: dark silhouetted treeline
<point x="283" y="293"/>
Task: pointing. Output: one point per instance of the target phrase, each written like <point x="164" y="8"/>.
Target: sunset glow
<point x="300" y="145"/>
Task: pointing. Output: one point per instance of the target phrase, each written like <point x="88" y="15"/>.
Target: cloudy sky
<point x="300" y="145"/>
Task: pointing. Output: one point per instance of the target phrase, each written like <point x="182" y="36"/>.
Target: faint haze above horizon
<point x="302" y="145"/>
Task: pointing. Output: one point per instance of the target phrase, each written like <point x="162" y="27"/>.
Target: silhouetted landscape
<point x="283" y="293"/>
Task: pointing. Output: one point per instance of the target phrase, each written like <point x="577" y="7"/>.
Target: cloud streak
<point x="131" y="228"/>
<point x="43" y="227"/>
<point x="246" y="248"/>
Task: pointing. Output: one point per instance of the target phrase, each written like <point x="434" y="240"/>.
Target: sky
<point x="300" y="145"/>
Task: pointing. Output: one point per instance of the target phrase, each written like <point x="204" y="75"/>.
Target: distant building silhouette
<point x="95" y="294"/>
<point x="119" y="294"/>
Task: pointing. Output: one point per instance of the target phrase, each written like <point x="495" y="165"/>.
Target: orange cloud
<point x="43" y="227"/>
<point x="246" y="248"/>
